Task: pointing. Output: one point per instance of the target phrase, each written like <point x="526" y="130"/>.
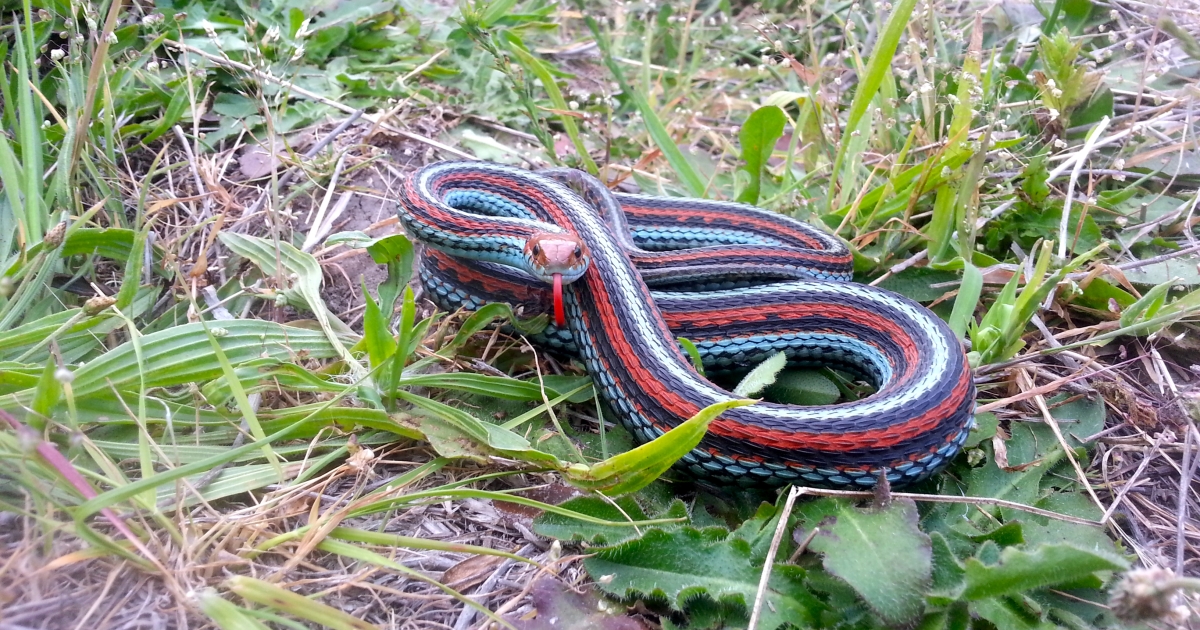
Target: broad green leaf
<point x="1149" y="305"/>
<point x="880" y="552"/>
<point x="247" y="410"/>
<point x="803" y="387"/>
<point x="947" y="571"/>
<point x="682" y="564"/>
<point x="917" y="283"/>
<point x="481" y="318"/>
<point x="758" y="137"/>
<point x="494" y="10"/>
<point x="397" y="252"/>
<point x="1019" y="570"/>
<point x="1182" y="271"/>
<point x="1054" y="531"/>
<point x="1005" y="613"/>
<point x="377" y="334"/>
<point x="46" y="396"/>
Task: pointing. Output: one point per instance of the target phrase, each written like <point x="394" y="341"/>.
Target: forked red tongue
<point x="560" y="316"/>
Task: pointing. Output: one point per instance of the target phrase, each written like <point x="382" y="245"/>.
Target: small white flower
<point x="1053" y="114"/>
<point x="63" y="375"/>
<point x="57" y="54"/>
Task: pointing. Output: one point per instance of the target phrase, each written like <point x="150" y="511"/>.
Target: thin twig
<point x="770" y="561"/>
<point x="1088" y="145"/>
<point x="1185" y="483"/>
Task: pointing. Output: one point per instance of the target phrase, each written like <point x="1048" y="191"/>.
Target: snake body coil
<point x="739" y="282"/>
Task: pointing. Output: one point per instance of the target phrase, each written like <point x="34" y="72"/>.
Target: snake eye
<point x="578" y="251"/>
<point x="537" y="249"/>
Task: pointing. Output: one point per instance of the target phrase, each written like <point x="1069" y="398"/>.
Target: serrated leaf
<point x="1052" y="531"/>
<point x="686" y="563"/>
<point x="1002" y="614"/>
<point x="883" y="554"/>
<point x="947" y="570"/>
<point x="1019" y="570"/>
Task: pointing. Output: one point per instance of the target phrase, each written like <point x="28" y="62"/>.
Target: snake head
<point x="562" y="255"/>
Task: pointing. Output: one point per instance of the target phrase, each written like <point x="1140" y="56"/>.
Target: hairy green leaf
<point x="682" y="564"/>
<point x="881" y="553"/>
<point x="1046" y="565"/>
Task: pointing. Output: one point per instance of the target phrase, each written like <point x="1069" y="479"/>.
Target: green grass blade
<point x="542" y="72"/>
<point x="966" y="300"/>
<point x="881" y="60"/>
<point x="267" y="594"/>
<point x="658" y="132"/>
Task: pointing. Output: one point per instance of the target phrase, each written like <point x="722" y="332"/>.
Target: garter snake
<point x="739" y="282"/>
